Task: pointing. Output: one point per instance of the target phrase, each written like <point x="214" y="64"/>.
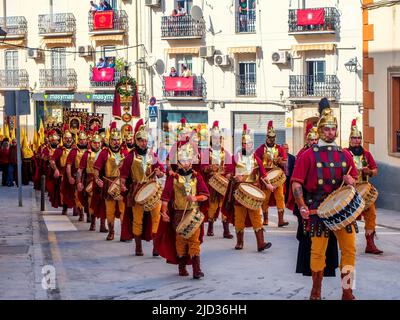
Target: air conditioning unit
<point x="280" y="57"/>
<point x="153" y="3"/>
<point x="207" y="52"/>
<point x="221" y="60"/>
<point x="34" y="53"/>
<point x="85" y="51"/>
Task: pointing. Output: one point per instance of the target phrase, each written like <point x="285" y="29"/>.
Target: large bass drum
<point x="341" y="208"/>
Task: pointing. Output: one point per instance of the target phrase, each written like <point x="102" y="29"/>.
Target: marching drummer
<point x="107" y="166"/>
<point x="311" y="138"/>
<point x="216" y="161"/>
<point x="184" y="194"/>
<point x="367" y="168"/>
<point x="247" y="168"/>
<point x="141" y="166"/>
<point x="273" y="156"/>
<point x="318" y="172"/>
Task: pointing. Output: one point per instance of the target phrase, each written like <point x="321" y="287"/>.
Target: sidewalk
<point x="388" y="218"/>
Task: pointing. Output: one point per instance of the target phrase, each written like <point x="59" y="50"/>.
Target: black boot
<point x="210" y="230"/>
<point x="239" y="240"/>
<point x="138" y="246"/>
<point x="182" y="266"/>
<point x="197" y="273"/>
<point x="227" y="234"/>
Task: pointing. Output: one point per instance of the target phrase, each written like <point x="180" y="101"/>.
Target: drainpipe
<point x="5" y="15"/>
<point x="150" y="40"/>
<point x="51" y="14"/>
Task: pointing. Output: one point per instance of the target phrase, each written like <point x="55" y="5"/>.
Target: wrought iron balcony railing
<point x="246" y="85"/>
<point x="15" y="26"/>
<point x="198" y="91"/>
<point x="17" y="79"/>
<point x="246" y="23"/>
<point x="119" y="21"/>
<point x="182" y="27"/>
<point x="329" y="24"/>
<point x="57" y="23"/>
<point x="58" y="78"/>
<point x="95" y="83"/>
<point x="303" y="86"/>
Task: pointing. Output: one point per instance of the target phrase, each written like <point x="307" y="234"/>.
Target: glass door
<point x="58" y="72"/>
<point x="11" y="68"/>
<point x="315" y="78"/>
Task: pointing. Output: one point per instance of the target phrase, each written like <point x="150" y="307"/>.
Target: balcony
<point x="105" y="78"/>
<point x="108" y="22"/>
<point x="314" y="21"/>
<point x="182" y="27"/>
<point x="246" y="23"/>
<point x="303" y="87"/>
<point x="178" y="88"/>
<point x="58" y="24"/>
<point x="58" y="79"/>
<point x="246" y="86"/>
<point x="17" y="27"/>
<point x="14" y="79"/>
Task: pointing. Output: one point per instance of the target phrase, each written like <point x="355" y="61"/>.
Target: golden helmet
<point x="82" y="134"/>
<point x="141" y="131"/>
<point x="185" y="152"/>
<point x="355" y="132"/>
<point x="311" y="131"/>
<point x="66" y="131"/>
<point x="327" y="119"/>
<point x="183" y="127"/>
<point x="246" y="137"/>
<point x="114" y="133"/>
<point x="271" y="131"/>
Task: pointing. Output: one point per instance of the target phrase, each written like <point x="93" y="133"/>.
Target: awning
<point x="234" y="50"/>
<point x="108" y="37"/>
<point x="15" y="42"/>
<point x="308" y="47"/>
<point x="177" y="50"/>
<point x="56" y="41"/>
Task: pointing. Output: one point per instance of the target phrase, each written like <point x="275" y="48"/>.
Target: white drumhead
<point x="273" y="174"/>
<point x="146" y="191"/>
<point x="252" y="190"/>
<point x="336" y="200"/>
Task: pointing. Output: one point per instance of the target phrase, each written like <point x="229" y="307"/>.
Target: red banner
<point x="178" y="84"/>
<point x="103" y="75"/>
<point x="103" y="20"/>
<point x="309" y="17"/>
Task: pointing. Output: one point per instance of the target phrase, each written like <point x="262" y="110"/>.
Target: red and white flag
<point x="178" y="84"/>
<point x="103" y="75"/>
<point x="307" y="17"/>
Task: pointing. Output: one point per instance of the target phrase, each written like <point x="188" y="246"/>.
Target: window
<point x="108" y="52"/>
<point x="315" y="77"/>
<point x="187" y="4"/>
<point x="11" y="68"/>
<point x="394" y="111"/>
<point x="246" y="16"/>
<point x="246" y="79"/>
<point x="58" y="72"/>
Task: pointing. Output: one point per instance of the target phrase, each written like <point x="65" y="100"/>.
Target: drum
<point x="368" y="192"/>
<point x="276" y="177"/>
<point x="115" y="190"/>
<point x="190" y="223"/>
<point x="249" y="196"/>
<point x="341" y="208"/>
<point x="149" y="195"/>
<point x="89" y="188"/>
<point x="219" y="183"/>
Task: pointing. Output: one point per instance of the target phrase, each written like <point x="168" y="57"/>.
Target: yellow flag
<point x="1" y="132"/>
<point x="41" y="132"/>
<point x="27" y="152"/>
<point x="6" y="131"/>
<point x="13" y="134"/>
<point x="35" y="141"/>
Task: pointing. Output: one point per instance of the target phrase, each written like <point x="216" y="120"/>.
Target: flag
<point x="103" y="74"/>
<point x="35" y="142"/>
<point x="41" y="133"/>
<point x="6" y="131"/>
<point x="13" y="134"/>
<point x="103" y="20"/>
<point x="307" y="17"/>
<point x="116" y="107"/>
<point x="178" y="84"/>
<point x="136" y="104"/>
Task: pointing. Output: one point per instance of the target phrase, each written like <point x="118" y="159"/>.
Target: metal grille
<point x="120" y="21"/>
<point x="245" y="85"/>
<point x="331" y="21"/>
<point x="181" y="26"/>
<point x="246" y="22"/>
<point x="302" y="86"/>
<point x="15" y="25"/>
<point x="14" y="79"/>
<point x="58" y="78"/>
<point x="57" y="23"/>
<point x="199" y="89"/>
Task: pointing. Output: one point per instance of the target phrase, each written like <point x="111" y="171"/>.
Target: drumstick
<point x="343" y="179"/>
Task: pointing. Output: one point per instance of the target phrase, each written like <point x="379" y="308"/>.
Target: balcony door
<point x="187" y="4"/>
<point x="315" y="77"/>
<point x="11" y="68"/>
<point x="246" y="82"/>
<point x="58" y="67"/>
<point x="186" y="60"/>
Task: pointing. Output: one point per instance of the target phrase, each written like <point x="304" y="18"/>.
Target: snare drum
<point x="149" y="195"/>
<point x="249" y="196"/>
<point x="190" y="223"/>
<point x="276" y="177"/>
<point x="341" y="208"/>
<point x="368" y="192"/>
<point x="115" y="190"/>
<point x="219" y="183"/>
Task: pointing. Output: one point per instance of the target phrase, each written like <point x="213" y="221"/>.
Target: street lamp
<point x="352" y="65"/>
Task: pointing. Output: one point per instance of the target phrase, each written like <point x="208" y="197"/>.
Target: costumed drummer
<point x="106" y="174"/>
<point x="311" y="138"/>
<point x="140" y="167"/>
<point x="367" y="168"/>
<point x="185" y="193"/>
<point x="248" y="169"/>
<point x="318" y="172"/>
<point x="273" y="156"/>
<point x="216" y="161"/>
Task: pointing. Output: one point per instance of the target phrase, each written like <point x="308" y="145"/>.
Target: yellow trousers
<point x="189" y="246"/>
<point x="240" y="217"/>
<point x="91" y="211"/>
<point x="370" y="218"/>
<point x="111" y="207"/>
<point x="347" y="245"/>
<point x="213" y="209"/>
<point x="77" y="202"/>
<point x="138" y="212"/>
<point x="279" y="198"/>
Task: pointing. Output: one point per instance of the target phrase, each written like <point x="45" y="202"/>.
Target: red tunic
<point x="165" y="239"/>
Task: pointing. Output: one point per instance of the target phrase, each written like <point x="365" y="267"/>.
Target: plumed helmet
<point x="354" y="131"/>
<point x="246" y="137"/>
<point x="270" y="130"/>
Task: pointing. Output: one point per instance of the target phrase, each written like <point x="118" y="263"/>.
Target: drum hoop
<point x="152" y="194"/>
<point x="262" y="198"/>
<point x="357" y="200"/>
<point x="343" y="202"/>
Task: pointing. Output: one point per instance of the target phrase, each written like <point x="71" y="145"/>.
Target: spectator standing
<point x="110" y="63"/>
<point x="101" y="64"/>
<point x="181" y="10"/>
<point x="243" y="15"/>
<point x="93" y="7"/>
<point x="288" y="169"/>
<point x="4" y="154"/>
<point x="173" y="72"/>
<point x="12" y="164"/>
<point x="186" y="72"/>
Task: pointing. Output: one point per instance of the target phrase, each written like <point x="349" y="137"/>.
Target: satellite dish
<point x="196" y="13"/>
<point x="151" y="61"/>
<point x="160" y="67"/>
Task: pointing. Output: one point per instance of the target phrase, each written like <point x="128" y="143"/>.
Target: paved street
<point x="88" y="267"/>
